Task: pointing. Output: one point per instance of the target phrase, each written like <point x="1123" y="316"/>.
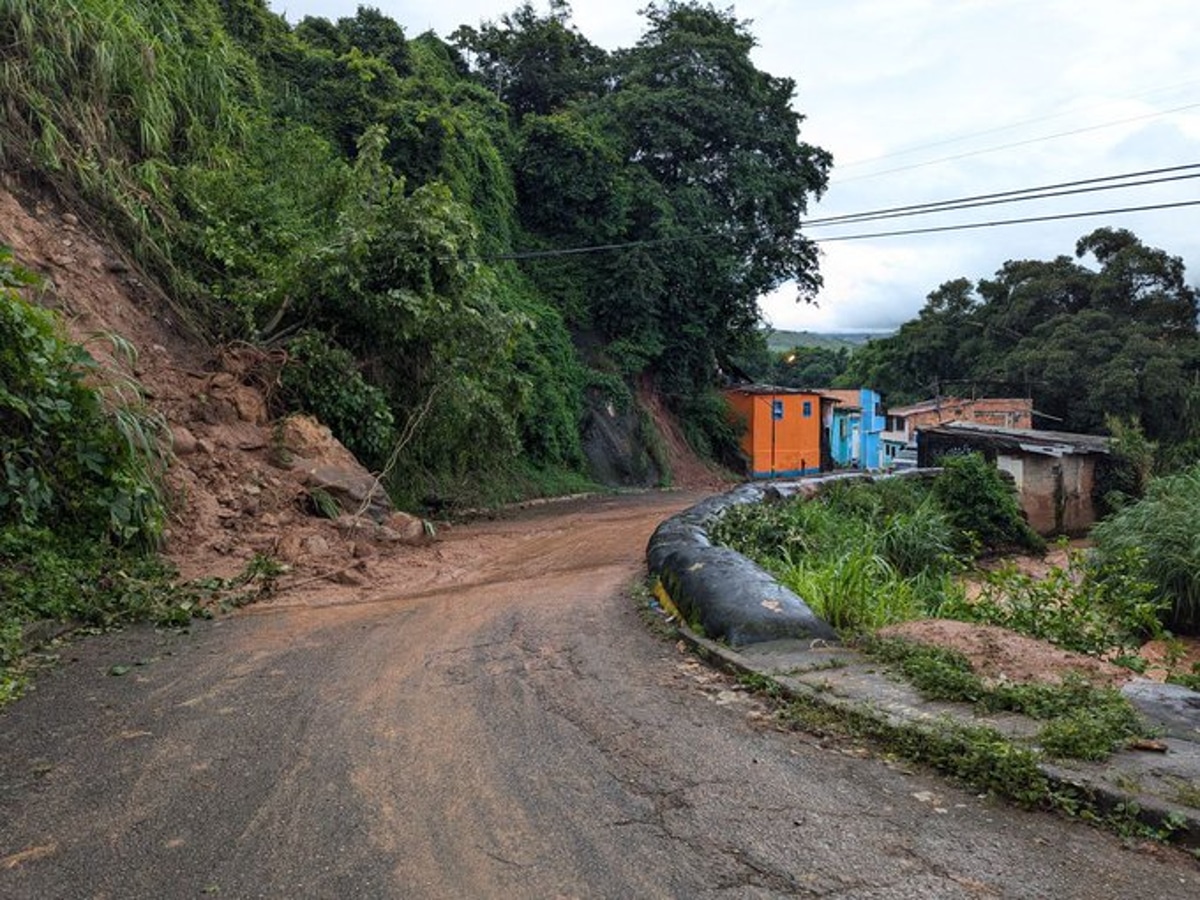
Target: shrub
<point x="1090" y="606"/>
<point x="862" y="555"/>
<point x="980" y="502"/>
<point x="79" y="497"/>
<point x="323" y="379"/>
<point x="69" y="462"/>
<point x="1163" y="530"/>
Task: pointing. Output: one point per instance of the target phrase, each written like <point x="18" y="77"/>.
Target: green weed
<point x="1160" y="537"/>
<point x="1089" y="606"/>
<point x="1082" y="721"/>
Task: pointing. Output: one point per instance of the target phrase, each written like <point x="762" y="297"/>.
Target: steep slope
<point x="239" y="484"/>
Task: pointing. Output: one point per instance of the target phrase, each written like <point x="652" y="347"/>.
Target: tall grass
<point x="108" y="98"/>
<point x="861" y="555"/>
<point x="1163" y="531"/>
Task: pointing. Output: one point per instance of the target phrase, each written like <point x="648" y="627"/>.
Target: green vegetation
<point x="1092" y="605"/>
<point x="864" y="555"/>
<point x="1087" y="343"/>
<point x="1082" y="721"/>
<point x="402" y="214"/>
<point x="783" y="341"/>
<point x="80" y="507"/>
<point x="982" y="505"/>
<point x="1159" y="536"/>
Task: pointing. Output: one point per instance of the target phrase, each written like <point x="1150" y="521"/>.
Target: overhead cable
<point x="1061" y="189"/>
<point x="1083" y="186"/>
<point x="1036" y="140"/>
<point x="908" y="151"/>
<point x="998" y="222"/>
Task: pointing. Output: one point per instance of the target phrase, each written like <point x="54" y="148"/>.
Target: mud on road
<point x="489" y="718"/>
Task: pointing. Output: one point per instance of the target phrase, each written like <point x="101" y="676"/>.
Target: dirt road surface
<point x="497" y="722"/>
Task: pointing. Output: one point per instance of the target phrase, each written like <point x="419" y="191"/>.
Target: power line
<point x="1061" y="189"/>
<point x="1047" y="191"/>
<point x="998" y="222"/>
<point x="1024" y="143"/>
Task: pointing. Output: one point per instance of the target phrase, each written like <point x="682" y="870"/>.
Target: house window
<point x="807" y="409"/>
<point x="777" y="409"/>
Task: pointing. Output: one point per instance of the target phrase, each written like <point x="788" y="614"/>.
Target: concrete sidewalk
<point x="1158" y="787"/>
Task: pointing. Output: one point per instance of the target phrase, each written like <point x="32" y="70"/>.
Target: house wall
<point x="780" y="439"/>
<point x="1055" y="492"/>
<point x="844" y="436"/>
<point x="1005" y="412"/>
<point x="873" y="424"/>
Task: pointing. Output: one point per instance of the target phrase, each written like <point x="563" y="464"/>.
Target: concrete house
<point x="903" y="422"/>
<point x="1055" y="472"/>
<point x="856" y="426"/>
<point x="784" y="435"/>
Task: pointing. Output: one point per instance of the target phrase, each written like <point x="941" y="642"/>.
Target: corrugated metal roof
<point x="758" y="389"/>
<point x="1047" y="443"/>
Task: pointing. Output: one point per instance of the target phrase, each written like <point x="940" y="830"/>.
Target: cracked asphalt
<point x="499" y="722"/>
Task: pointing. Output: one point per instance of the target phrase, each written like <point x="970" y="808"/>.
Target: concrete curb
<point x="766" y="630"/>
<point x="1130" y="783"/>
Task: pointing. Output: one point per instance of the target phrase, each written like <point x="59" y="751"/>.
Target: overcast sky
<point x="921" y="101"/>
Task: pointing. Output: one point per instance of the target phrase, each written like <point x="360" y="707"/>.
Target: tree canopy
<point x="424" y="216"/>
<point x="1110" y="331"/>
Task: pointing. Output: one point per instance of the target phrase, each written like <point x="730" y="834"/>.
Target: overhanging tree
<point x="726" y="179"/>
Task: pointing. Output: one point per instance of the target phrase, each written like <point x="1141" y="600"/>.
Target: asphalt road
<point x="500" y="722"/>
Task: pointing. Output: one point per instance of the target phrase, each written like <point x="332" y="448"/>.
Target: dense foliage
<point x="1117" y="339"/>
<point x="408" y="212"/>
<point x="801" y="367"/>
<point x="1162" y="533"/>
<point x="981" y="503"/>
<point x="79" y="497"/>
<point x="864" y="555"/>
<point x="70" y="463"/>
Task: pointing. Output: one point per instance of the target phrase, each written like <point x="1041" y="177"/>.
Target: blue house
<point x="856" y="425"/>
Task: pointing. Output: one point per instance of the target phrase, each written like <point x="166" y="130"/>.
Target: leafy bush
<point x="1161" y="534"/>
<point x="862" y="555"/>
<point x="79" y="497"/>
<point x="980" y="502"/>
<point x="1089" y="606"/>
<point x="69" y="463"/>
<point x="704" y="418"/>
<point x="323" y="379"/>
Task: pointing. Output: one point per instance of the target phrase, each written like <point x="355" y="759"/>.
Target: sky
<point x="924" y="101"/>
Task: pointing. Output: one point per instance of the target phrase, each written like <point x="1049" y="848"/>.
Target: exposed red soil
<point x="999" y="655"/>
<point x="232" y="491"/>
<point x="233" y="488"/>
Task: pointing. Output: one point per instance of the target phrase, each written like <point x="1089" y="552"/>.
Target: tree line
<point x="1103" y="337"/>
<point x="412" y="217"/>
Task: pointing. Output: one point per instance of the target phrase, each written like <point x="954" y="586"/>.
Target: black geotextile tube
<point x="731" y="598"/>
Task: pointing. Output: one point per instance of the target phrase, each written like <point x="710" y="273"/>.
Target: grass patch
<point x="1159" y="537"/>
<point x="1081" y="721"/>
<point x="861" y="555"/>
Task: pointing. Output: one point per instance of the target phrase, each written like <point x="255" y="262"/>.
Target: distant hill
<point x="786" y="340"/>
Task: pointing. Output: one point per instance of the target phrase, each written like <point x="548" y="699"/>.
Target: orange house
<point x="783" y="436"/>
